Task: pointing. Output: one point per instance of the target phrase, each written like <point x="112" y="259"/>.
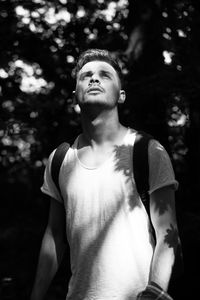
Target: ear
<point x="77" y="109"/>
<point x="122" y="97"/>
<point x="74" y="100"/>
<point x="75" y="103"/>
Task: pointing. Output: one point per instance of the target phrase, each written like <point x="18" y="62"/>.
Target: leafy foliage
<point x="157" y="43"/>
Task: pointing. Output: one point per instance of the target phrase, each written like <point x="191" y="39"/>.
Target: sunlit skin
<point x="98" y="84"/>
<point x="98" y="92"/>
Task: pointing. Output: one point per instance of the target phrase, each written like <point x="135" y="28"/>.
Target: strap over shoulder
<point x="57" y="162"/>
<point x="141" y="164"/>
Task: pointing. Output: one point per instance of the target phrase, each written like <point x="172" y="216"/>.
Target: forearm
<point x="49" y="259"/>
<point x="160" y="273"/>
<point x="162" y="264"/>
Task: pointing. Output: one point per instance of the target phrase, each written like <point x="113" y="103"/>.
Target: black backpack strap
<point x="57" y="162"/>
<point x="141" y="164"/>
<point x="141" y="169"/>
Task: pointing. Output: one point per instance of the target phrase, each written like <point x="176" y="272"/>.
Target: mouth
<point x="94" y="90"/>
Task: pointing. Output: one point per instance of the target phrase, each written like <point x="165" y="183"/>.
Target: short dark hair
<point x="101" y="55"/>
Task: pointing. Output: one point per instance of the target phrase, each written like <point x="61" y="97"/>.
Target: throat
<point x="101" y="128"/>
<point x="93" y="154"/>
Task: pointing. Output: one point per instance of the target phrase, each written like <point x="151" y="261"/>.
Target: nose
<point x="94" y="79"/>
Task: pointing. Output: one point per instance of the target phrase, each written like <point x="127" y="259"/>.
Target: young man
<point x="112" y="250"/>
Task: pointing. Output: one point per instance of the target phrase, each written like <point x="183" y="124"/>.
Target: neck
<point x="100" y="128"/>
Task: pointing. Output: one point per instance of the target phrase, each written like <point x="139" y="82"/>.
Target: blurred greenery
<point x="158" y="45"/>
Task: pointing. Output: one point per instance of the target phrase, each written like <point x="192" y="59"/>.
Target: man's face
<point x="98" y="83"/>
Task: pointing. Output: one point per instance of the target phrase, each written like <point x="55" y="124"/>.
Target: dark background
<point x="158" y="45"/>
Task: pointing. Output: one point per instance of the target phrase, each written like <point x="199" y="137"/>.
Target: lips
<point x="94" y="89"/>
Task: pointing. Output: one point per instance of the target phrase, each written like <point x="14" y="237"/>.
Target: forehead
<point x="97" y="65"/>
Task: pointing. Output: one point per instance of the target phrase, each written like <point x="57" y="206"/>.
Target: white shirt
<point x="107" y="226"/>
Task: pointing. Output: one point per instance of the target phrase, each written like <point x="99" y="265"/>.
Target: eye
<point x="85" y="76"/>
<point x="105" y="74"/>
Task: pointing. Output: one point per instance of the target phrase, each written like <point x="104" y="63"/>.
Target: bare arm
<point x="51" y="251"/>
<point x="163" y="216"/>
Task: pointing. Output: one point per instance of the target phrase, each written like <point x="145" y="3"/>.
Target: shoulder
<point x="160" y="167"/>
<point x="157" y="151"/>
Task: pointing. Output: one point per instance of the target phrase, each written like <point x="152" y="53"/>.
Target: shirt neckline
<point x="105" y="161"/>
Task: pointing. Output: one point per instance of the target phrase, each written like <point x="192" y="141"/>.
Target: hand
<point x="153" y="293"/>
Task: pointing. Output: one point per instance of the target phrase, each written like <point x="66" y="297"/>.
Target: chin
<point x="95" y="101"/>
<point x="99" y="105"/>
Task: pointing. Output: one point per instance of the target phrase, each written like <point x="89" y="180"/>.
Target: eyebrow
<point x="86" y="73"/>
<point x="90" y="73"/>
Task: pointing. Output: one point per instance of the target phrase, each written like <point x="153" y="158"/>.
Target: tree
<point x="157" y="43"/>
